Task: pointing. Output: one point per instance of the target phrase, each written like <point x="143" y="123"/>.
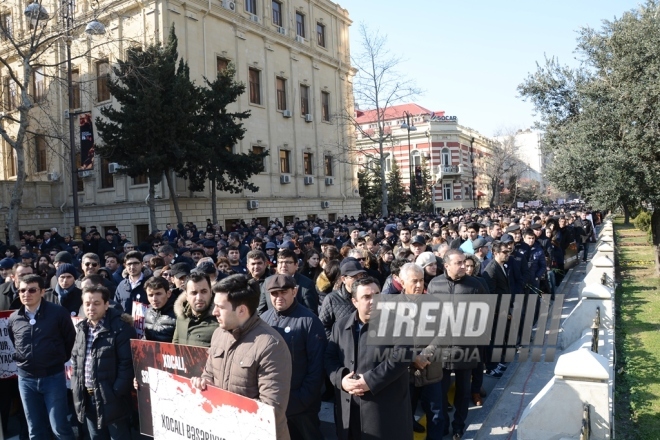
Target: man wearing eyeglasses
<point x="131" y="288"/>
<point x="91" y="263"/>
<point x="43" y="336"/>
<point x="287" y="264"/>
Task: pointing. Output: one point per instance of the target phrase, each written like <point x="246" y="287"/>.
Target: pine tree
<point x="421" y="187"/>
<point x="397" y="199"/>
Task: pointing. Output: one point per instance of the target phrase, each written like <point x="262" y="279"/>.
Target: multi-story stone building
<point x="453" y="152"/>
<point x="293" y="56"/>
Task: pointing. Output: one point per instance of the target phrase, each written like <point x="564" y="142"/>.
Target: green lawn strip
<point x="637" y="398"/>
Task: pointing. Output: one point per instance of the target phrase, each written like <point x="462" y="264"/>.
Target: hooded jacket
<point x="191" y="329"/>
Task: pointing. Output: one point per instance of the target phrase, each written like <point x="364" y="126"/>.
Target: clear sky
<point x="469" y="56"/>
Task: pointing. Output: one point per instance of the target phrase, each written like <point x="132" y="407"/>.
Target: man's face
<point x="256" y="245"/>
<point x="90" y="267"/>
<point x="178" y="281"/>
<point x="483" y="231"/>
<point x="94" y="306"/>
<point x="256" y="267"/>
<point x="46" y="235"/>
<point x="350" y="279"/>
<point x="283" y="299"/>
<point x="168" y="226"/>
<point x="355" y="234"/>
<point x="517" y="236"/>
<point x="4" y="273"/>
<point x="208" y="235"/>
<point x="133" y="267"/>
<point x="128" y="247"/>
<point x="167" y="257"/>
<point x="455" y="267"/>
<point x="158" y="297"/>
<point x="66" y="280"/>
<point x="30" y="294"/>
<point x="530" y="239"/>
<point x="562" y="222"/>
<point x="464" y="232"/>
<point x="287" y="266"/>
<point x="111" y="263"/>
<point x="225" y="314"/>
<point x="496" y="231"/>
<point x="404" y="236"/>
<point x="583" y="216"/>
<point x="363" y="300"/>
<point x="209" y="250"/>
<point x="413" y="282"/>
<point x="20" y="272"/>
<point x="196" y="256"/>
<point x="199" y="296"/>
<point x="473" y="234"/>
<point x="537" y="232"/>
<point x="233" y="256"/>
<point x="502" y="256"/>
<point x="417" y="248"/>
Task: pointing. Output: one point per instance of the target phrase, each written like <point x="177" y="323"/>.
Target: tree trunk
<point x="383" y="182"/>
<point x="16" y="197"/>
<point x="626" y="214"/>
<point x="173" y="197"/>
<point x="153" y="225"/>
<point x="214" y="203"/>
<point x="655" y="234"/>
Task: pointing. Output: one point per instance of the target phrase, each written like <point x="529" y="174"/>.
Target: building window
<point x="38" y="84"/>
<point x="280" y="87"/>
<point x="446" y="191"/>
<point x="260" y="150"/>
<point x="40" y="153"/>
<point x="388" y="162"/>
<point x="320" y="34"/>
<point x="5" y="26"/>
<point x="221" y="64"/>
<point x="75" y="88"/>
<point x="10" y="94"/>
<point x="277" y="13"/>
<point x="142" y="179"/>
<point x="304" y="100"/>
<point x="308" y="163"/>
<point x="255" y="86"/>
<point x="251" y="6"/>
<point x="11" y="162"/>
<point x="325" y="106"/>
<point x="107" y="179"/>
<point x="300" y="25"/>
<point x="327" y="165"/>
<point x="102" y="77"/>
<point x="446" y="157"/>
<point x="285" y="167"/>
<point x="416" y="159"/>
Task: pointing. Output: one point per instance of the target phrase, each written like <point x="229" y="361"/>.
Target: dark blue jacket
<point x="304" y="335"/>
<point x="42" y="348"/>
<point x="125" y="295"/>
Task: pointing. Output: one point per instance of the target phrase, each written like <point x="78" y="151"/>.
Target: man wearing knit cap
<point x="68" y="294"/>
<point x="5" y="268"/>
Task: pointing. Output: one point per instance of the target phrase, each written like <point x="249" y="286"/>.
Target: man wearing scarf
<point x="68" y="294"/>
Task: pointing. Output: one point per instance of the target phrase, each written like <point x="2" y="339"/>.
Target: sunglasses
<point x="91" y="264"/>
<point x="30" y="290"/>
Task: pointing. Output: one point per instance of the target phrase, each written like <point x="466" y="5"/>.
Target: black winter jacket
<point x="159" y="325"/>
<point x="335" y="306"/>
<point x="112" y="372"/>
<point x="42" y="348"/>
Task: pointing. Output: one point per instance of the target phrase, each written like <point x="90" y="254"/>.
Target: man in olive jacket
<point x="247" y="356"/>
<point x="195" y="322"/>
<point x="103" y="367"/>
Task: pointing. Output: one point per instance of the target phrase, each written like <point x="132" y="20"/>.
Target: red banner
<point x="183" y="360"/>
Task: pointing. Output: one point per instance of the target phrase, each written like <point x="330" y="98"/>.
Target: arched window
<point x="446" y="157"/>
<point x="416" y="158"/>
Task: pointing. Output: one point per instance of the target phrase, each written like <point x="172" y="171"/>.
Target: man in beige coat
<point x="247" y="356"/>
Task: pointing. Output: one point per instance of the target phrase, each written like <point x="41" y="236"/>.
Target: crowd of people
<point x="283" y="307"/>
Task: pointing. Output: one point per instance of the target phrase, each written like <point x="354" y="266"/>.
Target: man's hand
<point x="350" y="384"/>
<point x="135" y="383"/>
<point x="200" y="383"/>
<point x="362" y="384"/>
<point x="421" y="362"/>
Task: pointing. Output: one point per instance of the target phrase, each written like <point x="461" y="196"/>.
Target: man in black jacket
<point x="132" y="287"/>
<point x="66" y="291"/>
<point x="160" y="321"/>
<point x="287" y="264"/>
<point x="43" y="336"/>
<point x="303" y="332"/>
<point x="583" y="230"/>
<point x="103" y="367"/>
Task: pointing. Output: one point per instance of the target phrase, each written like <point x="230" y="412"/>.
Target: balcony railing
<point x="450" y="169"/>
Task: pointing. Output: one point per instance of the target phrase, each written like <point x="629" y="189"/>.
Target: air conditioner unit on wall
<point x="228" y="4"/>
<point x="329" y="181"/>
<point x="254" y="18"/>
<point x="281" y="30"/>
<point x="285" y="178"/>
<point x="325" y="205"/>
<point x="53" y="176"/>
<point x="309" y="180"/>
<point x="299" y="39"/>
<point x="308" y="117"/>
<point x="113" y="167"/>
<point x="86" y="173"/>
<point x="253" y="204"/>
<point x="286" y="113"/>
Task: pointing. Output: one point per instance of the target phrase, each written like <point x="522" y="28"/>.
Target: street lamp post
<point x="36" y="12"/>
<point x="408" y="127"/>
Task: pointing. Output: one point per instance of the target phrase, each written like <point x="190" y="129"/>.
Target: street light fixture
<point x="36" y="12"/>
<point x="409" y="127"/>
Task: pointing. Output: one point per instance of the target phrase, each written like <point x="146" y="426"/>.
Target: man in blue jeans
<point x="43" y="335"/>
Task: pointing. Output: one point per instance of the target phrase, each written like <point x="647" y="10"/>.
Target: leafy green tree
<point x="602" y="120"/>
<point x="154" y="127"/>
<point x="397" y="199"/>
<point x="218" y="131"/>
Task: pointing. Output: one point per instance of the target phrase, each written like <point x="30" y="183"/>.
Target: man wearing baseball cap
<point x="339" y="302"/>
<point x="306" y="340"/>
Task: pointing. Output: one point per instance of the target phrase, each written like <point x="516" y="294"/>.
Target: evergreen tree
<point x="369" y="185"/>
<point x="397" y="199"/>
<point x="421" y="188"/>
